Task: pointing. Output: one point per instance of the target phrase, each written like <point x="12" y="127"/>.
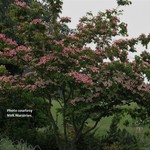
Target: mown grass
<point x="139" y="130"/>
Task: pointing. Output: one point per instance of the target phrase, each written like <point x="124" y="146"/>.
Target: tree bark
<point x="55" y="127"/>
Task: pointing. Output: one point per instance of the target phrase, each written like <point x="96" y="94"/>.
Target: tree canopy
<point x="87" y="82"/>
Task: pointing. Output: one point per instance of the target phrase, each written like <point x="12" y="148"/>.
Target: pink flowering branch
<point x="81" y="78"/>
<point x="21" y="4"/>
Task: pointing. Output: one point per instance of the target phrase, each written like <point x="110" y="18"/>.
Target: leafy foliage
<point x="121" y="139"/>
<point x="7" y="144"/>
<point x="87" y="83"/>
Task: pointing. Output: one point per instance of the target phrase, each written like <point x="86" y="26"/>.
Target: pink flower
<point x="72" y="37"/>
<point x="45" y="59"/>
<point x="2" y="36"/>
<point x="103" y="30"/>
<point x="80" y="26"/>
<point x="6" y="79"/>
<point x="84" y="17"/>
<point x="7" y="40"/>
<point x="23" y="48"/>
<point x="11" y="42"/>
<point x="85" y="78"/>
<point x="11" y="53"/>
<point x="27" y="58"/>
<point x="84" y="57"/>
<point x="97" y="52"/>
<point x="114" y="32"/>
<point x="65" y="19"/>
<point x="68" y="49"/>
<point x="37" y="21"/>
<point x="94" y="69"/>
<point x="59" y="42"/>
<point x="21" y="4"/>
<point x="65" y="54"/>
<point x="33" y="87"/>
<point x="1" y="53"/>
<point x="86" y="49"/>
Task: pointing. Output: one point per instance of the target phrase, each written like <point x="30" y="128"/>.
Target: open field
<point x="138" y="130"/>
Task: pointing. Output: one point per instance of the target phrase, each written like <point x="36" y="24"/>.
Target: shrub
<point x="88" y="142"/>
<point x="44" y="139"/>
<point x="123" y="138"/>
<point x="7" y="144"/>
<point x="114" y="146"/>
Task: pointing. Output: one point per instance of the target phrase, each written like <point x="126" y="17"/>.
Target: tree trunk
<point x="57" y="135"/>
<point x="55" y="127"/>
<point x="73" y="146"/>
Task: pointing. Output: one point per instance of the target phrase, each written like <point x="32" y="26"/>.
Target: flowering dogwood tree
<point x="87" y="83"/>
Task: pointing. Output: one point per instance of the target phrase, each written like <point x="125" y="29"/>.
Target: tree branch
<point x="93" y="127"/>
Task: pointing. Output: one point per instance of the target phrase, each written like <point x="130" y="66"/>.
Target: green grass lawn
<point x="104" y="124"/>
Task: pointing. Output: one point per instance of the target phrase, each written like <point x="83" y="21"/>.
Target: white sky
<point x="137" y="15"/>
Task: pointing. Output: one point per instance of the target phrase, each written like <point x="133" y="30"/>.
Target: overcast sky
<point x="137" y="15"/>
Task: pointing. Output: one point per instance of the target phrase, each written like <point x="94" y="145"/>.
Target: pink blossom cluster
<point x="129" y="85"/>
<point x="87" y="49"/>
<point x="12" y="52"/>
<point x="107" y="84"/>
<point x="45" y="59"/>
<point x="120" y="41"/>
<point x="10" y="82"/>
<point x="69" y="49"/>
<point x="80" y="26"/>
<point x="30" y="87"/>
<point x="37" y="21"/>
<point x="84" y="57"/>
<point x="65" y="19"/>
<point x="21" y="4"/>
<point x="72" y="37"/>
<point x="103" y="30"/>
<point x="85" y="78"/>
<point x="7" y="79"/>
<point x="59" y="42"/>
<point x="115" y="20"/>
<point x="77" y="50"/>
<point x="7" y="40"/>
<point x="1" y="53"/>
<point x="94" y="69"/>
<point x="90" y="24"/>
<point x="23" y="48"/>
<point x="126" y="83"/>
<point x="2" y="36"/>
<point x="50" y="36"/>
<point x="8" y="52"/>
<point x="11" y="42"/>
<point x="27" y="57"/>
<point x="84" y="17"/>
<point x="75" y="61"/>
<point x="97" y="52"/>
<point x="144" y="87"/>
<point x="114" y="32"/>
<point x="65" y="54"/>
<point x="39" y="83"/>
